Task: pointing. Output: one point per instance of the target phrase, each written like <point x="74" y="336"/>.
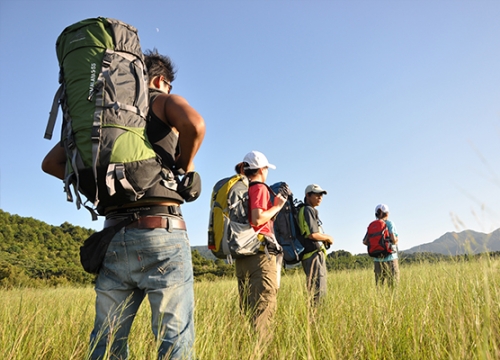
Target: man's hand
<point x="284" y="190"/>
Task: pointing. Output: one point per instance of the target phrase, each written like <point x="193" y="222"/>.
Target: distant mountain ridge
<point x="451" y="243"/>
<point x="465" y="242"/>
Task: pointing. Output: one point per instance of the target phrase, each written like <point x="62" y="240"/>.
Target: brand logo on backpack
<point x="79" y="36"/>
<point x="93" y="67"/>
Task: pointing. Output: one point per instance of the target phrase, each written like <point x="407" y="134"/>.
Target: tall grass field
<point x="438" y="311"/>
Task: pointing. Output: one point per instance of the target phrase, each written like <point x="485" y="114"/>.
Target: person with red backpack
<point x="381" y="239"/>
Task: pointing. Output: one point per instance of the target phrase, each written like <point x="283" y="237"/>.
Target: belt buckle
<point x="175" y="223"/>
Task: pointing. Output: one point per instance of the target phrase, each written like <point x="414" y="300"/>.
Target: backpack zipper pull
<point x="94" y="91"/>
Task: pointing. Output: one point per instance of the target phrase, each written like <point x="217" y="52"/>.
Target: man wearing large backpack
<point x="314" y="259"/>
<point x="150" y="256"/>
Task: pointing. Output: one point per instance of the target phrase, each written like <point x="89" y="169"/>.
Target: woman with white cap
<point x="257" y="274"/>
<point x="386" y="267"/>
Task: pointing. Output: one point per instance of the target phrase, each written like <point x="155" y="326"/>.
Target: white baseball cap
<point x="257" y="160"/>
<point x="315" y="188"/>
<point x="383" y="207"/>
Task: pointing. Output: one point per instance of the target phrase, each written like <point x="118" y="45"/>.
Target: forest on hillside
<point x="36" y="254"/>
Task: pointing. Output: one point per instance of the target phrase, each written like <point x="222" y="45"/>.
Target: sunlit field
<point x="438" y="311"/>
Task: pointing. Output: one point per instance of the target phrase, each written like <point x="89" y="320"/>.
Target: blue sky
<point x="376" y="101"/>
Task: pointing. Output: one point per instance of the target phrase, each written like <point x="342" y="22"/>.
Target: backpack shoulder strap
<point x="304" y="228"/>
<point x="252" y="183"/>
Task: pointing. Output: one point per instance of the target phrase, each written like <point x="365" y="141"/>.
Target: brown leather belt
<point x="151" y="222"/>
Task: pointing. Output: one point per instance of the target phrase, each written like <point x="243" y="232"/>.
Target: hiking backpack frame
<point x="105" y="101"/>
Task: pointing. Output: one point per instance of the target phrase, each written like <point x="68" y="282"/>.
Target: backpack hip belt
<point x="159" y="210"/>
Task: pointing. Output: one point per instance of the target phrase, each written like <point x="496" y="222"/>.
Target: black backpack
<point x="286" y="226"/>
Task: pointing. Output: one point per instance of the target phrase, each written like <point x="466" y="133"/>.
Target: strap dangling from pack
<point x="91" y="210"/>
<point x="95" y="137"/>
<point x="53" y="112"/>
<point x="121" y="177"/>
<point x="117" y="172"/>
<point x="169" y="180"/>
<point x="110" y="179"/>
<point x="67" y="188"/>
<point x="267" y="251"/>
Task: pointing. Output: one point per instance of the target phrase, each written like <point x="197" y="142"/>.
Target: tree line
<point x="36" y="254"/>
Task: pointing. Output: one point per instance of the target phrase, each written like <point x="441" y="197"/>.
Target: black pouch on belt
<point x="94" y="249"/>
<point x="189" y="188"/>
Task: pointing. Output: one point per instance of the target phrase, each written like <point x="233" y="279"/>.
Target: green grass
<point x="438" y="311"/>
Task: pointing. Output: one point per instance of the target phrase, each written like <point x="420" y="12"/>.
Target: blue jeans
<point x="141" y="262"/>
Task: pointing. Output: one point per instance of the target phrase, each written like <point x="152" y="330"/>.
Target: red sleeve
<point x="258" y="197"/>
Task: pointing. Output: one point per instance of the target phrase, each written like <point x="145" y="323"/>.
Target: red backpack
<point x="378" y="239"/>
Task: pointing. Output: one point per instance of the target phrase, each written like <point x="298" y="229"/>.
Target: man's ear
<point x="156" y="82"/>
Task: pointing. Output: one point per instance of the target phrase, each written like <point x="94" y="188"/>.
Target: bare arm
<point x="321" y="237"/>
<point x="394" y="238"/>
<point x="175" y="111"/>
<point x="260" y="217"/>
<point x="54" y="162"/>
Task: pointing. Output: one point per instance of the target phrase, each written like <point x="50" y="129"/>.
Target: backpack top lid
<point x="221" y="189"/>
<point x="376" y="226"/>
<point x="105" y="33"/>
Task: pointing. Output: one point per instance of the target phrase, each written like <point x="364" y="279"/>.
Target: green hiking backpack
<point x="105" y="101"/>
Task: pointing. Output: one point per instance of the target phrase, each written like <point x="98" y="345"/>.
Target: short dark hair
<point x="158" y="64"/>
<point x="307" y="195"/>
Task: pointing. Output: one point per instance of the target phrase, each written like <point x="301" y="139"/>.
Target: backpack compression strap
<point x="106" y="62"/>
<point x="117" y="171"/>
<point x="53" y="112"/>
<point x="114" y="171"/>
